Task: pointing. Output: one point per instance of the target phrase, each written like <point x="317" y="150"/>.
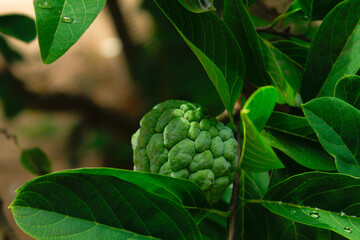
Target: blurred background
<point x="83" y="109"/>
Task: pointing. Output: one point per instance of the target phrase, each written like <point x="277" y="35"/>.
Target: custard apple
<point x="179" y="139"/>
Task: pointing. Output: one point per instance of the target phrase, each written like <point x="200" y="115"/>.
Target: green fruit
<point x="179" y="139"/>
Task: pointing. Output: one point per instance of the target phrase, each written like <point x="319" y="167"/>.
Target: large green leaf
<point x="265" y="65"/>
<point x="76" y="205"/>
<point x="318" y="9"/>
<point x="323" y="200"/>
<point x="60" y="24"/>
<point x="337" y="125"/>
<point x="305" y="152"/>
<point x="255" y="219"/>
<point x="348" y="89"/>
<point x="256" y="154"/>
<point x="183" y="191"/>
<point x="295" y="51"/>
<point x="334" y="51"/>
<point x="18" y="26"/>
<point x="214" y="45"/>
<point x="291" y="124"/>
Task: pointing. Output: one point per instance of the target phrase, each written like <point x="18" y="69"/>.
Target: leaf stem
<point x="285" y="33"/>
<point x="236" y="183"/>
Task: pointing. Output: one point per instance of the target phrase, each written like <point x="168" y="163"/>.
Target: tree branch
<point x="236" y="183"/>
<point x="285" y="33"/>
<point x="94" y="115"/>
<point x="121" y="28"/>
<point x="9" y="136"/>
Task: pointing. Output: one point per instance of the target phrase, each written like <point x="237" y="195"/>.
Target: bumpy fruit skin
<point x="179" y="139"/>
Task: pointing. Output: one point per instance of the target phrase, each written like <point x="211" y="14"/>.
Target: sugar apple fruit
<point x="179" y="139"/>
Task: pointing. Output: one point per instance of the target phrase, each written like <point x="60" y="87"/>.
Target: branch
<point x="285" y="33"/>
<point x="93" y="115"/>
<point x="236" y="184"/>
<point x="11" y="137"/>
<point x="121" y="27"/>
<point x="5" y="229"/>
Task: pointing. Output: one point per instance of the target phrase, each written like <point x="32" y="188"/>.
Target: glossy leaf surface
<point x="256" y="154"/>
<point x="214" y="45"/>
<point x="323" y="200"/>
<point x="295" y="51"/>
<point x="305" y="152"/>
<point x="337" y="125"/>
<point x="334" y="51"/>
<point x="60" y="24"/>
<point x="291" y="124"/>
<point x="74" y="205"/>
<point x="265" y="65"/>
<point x="348" y="89"/>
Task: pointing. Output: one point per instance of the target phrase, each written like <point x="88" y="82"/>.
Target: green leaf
<point x="260" y="105"/>
<point x="18" y="26"/>
<point x="214" y="46"/>
<point x="337" y="125"/>
<point x="182" y="191"/>
<point x="291" y="72"/>
<point x="61" y="23"/>
<point x="12" y="103"/>
<point x="71" y="205"/>
<point x="348" y="89"/>
<point x="256" y="154"/>
<point x="9" y="54"/>
<point x="297" y="52"/>
<point x="334" y="51"/>
<point x="322" y="200"/>
<point x="256" y="218"/>
<point x="36" y="161"/>
<point x="307" y="153"/>
<point x="197" y="6"/>
<point x="318" y="9"/>
<point x="291" y="124"/>
<point x="264" y="65"/>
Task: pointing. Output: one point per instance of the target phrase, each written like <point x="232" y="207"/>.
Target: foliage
<point x="312" y="85"/>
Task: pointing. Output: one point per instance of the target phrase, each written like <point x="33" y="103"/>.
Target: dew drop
<point x="67" y="20"/>
<point x="293" y="211"/>
<point x="347" y="229"/>
<point x="45" y="4"/>
<point x="314" y="214"/>
<point x="342" y="213"/>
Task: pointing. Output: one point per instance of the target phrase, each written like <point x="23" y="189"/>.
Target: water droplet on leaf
<point x="45" y="4"/>
<point x="314" y="214"/>
<point x="342" y="213"/>
<point x="347" y="229"/>
<point x="67" y="20"/>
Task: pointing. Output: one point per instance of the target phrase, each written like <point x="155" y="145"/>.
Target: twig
<point x="94" y="115"/>
<point x="7" y="231"/>
<point x="285" y="33"/>
<point x="122" y="29"/>
<point x="11" y="137"/>
<point x="236" y="184"/>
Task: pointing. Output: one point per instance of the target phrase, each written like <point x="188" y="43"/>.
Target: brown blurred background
<point x="82" y="109"/>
